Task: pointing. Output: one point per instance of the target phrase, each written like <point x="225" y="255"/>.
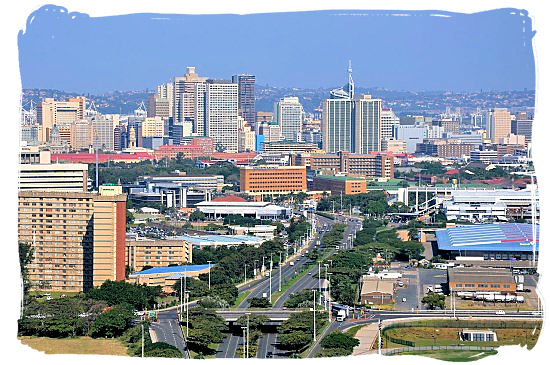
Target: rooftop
<point x="229" y="198"/>
<point x="488" y="237"/>
<point x="174" y="269"/>
<point x="475" y="274"/>
<point x="382" y="286"/>
<point x="339" y="178"/>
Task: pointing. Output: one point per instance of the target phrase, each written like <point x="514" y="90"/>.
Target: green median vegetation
<point x="337" y="343"/>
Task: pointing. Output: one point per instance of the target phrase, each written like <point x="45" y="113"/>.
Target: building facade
<point x="273" y="180"/>
<point x="221" y="105"/>
<point x="156" y="253"/>
<point x="499" y="124"/>
<point x="368" y="124"/>
<point x="247" y="98"/>
<point x="338" y="185"/>
<point x="289" y="115"/>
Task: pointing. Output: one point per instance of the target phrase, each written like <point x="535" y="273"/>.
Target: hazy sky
<point x="405" y="51"/>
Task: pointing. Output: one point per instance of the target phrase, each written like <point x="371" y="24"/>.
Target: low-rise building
<point x="351" y="164"/>
<point x="166" y="277"/>
<point x="218" y="240"/>
<point x="157" y="253"/>
<point x="264" y="231"/>
<point x="340" y="184"/>
<point x="258" y="210"/>
<point x="476" y="279"/>
<point x="273" y="180"/>
<point x="375" y="291"/>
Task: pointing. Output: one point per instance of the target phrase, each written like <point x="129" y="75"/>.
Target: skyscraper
<point x="367" y="124"/>
<point x="51" y="112"/>
<point x="184" y="96"/>
<point x="247" y="97"/>
<point x="289" y="115"/>
<point x="338" y="125"/>
<point x="221" y="112"/>
<point x="499" y="124"/>
<point x="388" y="119"/>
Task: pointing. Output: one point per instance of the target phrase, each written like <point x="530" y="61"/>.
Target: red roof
<point x="230" y="199"/>
<point x="102" y="157"/>
<point x="452" y="172"/>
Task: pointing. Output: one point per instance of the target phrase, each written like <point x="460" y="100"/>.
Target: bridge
<point x="275" y="316"/>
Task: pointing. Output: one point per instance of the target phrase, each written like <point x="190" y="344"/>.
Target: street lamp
<point x="314" y="327"/>
<point x="280" y="270"/>
<point x="247" y="335"/>
<point x="209" y="267"/>
<point x="244" y="274"/>
<point x="244" y="341"/>
<point x="329" y="301"/>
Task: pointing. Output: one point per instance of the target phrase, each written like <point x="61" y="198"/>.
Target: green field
<point x="240" y="298"/>
<point x="79" y="345"/>
<point x="453" y="355"/>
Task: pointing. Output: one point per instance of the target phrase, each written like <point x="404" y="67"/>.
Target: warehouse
<point x="375" y="291"/>
<point x="508" y="241"/>
<point x="474" y="279"/>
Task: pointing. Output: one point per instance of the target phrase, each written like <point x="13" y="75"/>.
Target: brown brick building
<point x="339" y="184"/>
<point x="157" y="253"/>
<point x="78" y="238"/>
<point x="273" y="180"/>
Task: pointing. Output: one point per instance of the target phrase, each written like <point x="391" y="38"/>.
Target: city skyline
<point x="460" y="52"/>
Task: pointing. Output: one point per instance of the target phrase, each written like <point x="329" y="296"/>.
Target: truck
<point x="341" y="315"/>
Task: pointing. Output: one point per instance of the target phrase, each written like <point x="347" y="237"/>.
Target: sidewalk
<point x="367" y="337"/>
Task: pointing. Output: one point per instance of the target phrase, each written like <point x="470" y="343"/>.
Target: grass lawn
<point x="453" y="355"/>
<point x="291" y="282"/>
<point x="79" y="345"/>
<point x="352" y="331"/>
<point x="240" y="298"/>
<point x="428" y="336"/>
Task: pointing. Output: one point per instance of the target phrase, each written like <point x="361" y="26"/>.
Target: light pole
<point x="209" y="267"/>
<point x="181" y="300"/>
<point x="187" y="314"/>
<point x="244" y="341"/>
<point x="247" y="335"/>
<point x="244" y="274"/>
<point x="314" y="327"/>
<point x="329" y="302"/>
<point x="142" y="341"/>
<point x="280" y="270"/>
<point x="255" y="274"/>
<point x="270" y="276"/>
<point x="319" y="277"/>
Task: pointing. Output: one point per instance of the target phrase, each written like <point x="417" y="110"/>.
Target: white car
<point x="500" y="312"/>
<point x="404" y="300"/>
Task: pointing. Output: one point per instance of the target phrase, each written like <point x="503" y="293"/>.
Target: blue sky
<point x="412" y="51"/>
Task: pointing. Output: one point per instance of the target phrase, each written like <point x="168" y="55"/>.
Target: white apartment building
<point x="221" y="114"/>
<point x="289" y="114"/>
<point x="388" y="120"/>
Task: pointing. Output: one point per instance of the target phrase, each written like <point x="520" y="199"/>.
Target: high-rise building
<point x="78" y="238"/>
<point x="153" y="127"/>
<point x="499" y="124"/>
<point x="199" y="128"/>
<point x="53" y="177"/>
<point x="270" y="131"/>
<point x="103" y="134"/>
<point x="367" y="124"/>
<point x="264" y="117"/>
<point x="411" y="135"/>
<point x="184" y="96"/>
<point x="247" y="137"/>
<point x="289" y="115"/>
<point x="523" y="125"/>
<point x="221" y="105"/>
<point x="158" y="107"/>
<point x="81" y="134"/>
<point x="338" y="125"/>
<point x="388" y="120"/>
<point x="247" y="98"/>
<point x="61" y="113"/>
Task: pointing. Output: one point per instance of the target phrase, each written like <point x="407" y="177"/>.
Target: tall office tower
<point x="103" y="134"/>
<point x="153" y="127"/>
<point x="499" y="124"/>
<point x="221" y="106"/>
<point x="338" y="123"/>
<point x="29" y="134"/>
<point x="388" y="119"/>
<point x="165" y="94"/>
<point x="289" y="115"/>
<point x="264" y="117"/>
<point x="61" y="113"/>
<point x="247" y="137"/>
<point x="523" y="125"/>
<point x="270" y="131"/>
<point x="247" y="98"/>
<point x="367" y="124"/>
<point x="184" y="96"/>
<point x="119" y="133"/>
<point x="87" y="243"/>
<point x="81" y="134"/>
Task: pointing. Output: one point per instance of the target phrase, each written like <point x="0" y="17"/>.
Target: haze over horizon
<point x="415" y="51"/>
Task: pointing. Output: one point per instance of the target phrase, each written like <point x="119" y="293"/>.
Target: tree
<point x="259" y="302"/>
<point x="118" y="292"/>
<point x="161" y="349"/>
<point x="26" y="253"/>
<point x="434" y="301"/>
<point x="113" y="322"/>
<point x="129" y="217"/>
<point x="294" y="341"/>
<point x="339" y="340"/>
<point x="197" y="215"/>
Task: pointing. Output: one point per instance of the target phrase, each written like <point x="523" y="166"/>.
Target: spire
<point x="351" y="86"/>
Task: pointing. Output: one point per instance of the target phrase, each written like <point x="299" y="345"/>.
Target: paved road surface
<point x="168" y="330"/>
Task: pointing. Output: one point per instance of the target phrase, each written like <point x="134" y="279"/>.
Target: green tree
<point x="113" y="322"/>
<point x="26" y="253"/>
<point x="339" y="340"/>
<point x="161" y="349"/>
<point x="434" y="301"/>
<point x="197" y="215"/>
<point x="259" y="302"/>
<point x="294" y="341"/>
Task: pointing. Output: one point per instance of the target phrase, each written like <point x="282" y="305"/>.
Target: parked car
<point x="404" y="300"/>
<point x="500" y="312"/>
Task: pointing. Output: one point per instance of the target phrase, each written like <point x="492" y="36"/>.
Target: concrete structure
<point x="338" y="125"/>
<point x="264" y="231"/>
<point x="445" y="148"/>
<point x="273" y="180"/>
<point x="484" y="156"/>
<point x="351" y="164"/>
<point x="78" y="238"/>
<point x="508" y="241"/>
<point x="53" y="177"/>
<point x="166" y="277"/>
<point x="246" y="136"/>
<point x="394" y="145"/>
<point x="157" y="253"/>
<point x="103" y="137"/>
<point x="152" y="127"/>
<point x="411" y="134"/>
<point x="524" y="127"/>
<point x="247" y="98"/>
<point x="475" y="279"/>
<point x="499" y="124"/>
<point x="340" y="184"/>
<point x="258" y="210"/>
<point x="375" y="291"/>
<point x="290" y="147"/>
<point x="82" y="135"/>
<point x="485" y="205"/>
<point x="388" y="121"/>
<point x="264" y="117"/>
<point x="218" y="240"/>
<point x="185" y="100"/>
<point x="289" y="115"/>
<point x="271" y="132"/>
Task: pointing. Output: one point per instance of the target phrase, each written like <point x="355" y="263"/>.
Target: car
<point x="309" y="273"/>
<point x="404" y="300"/>
<point x="400" y="283"/>
<point x="269" y="355"/>
<point x="500" y="312"/>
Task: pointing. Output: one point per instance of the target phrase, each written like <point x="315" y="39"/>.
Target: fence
<point x="467" y="324"/>
<point x="433" y="348"/>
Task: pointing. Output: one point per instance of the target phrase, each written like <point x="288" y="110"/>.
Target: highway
<point x="168" y="330"/>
